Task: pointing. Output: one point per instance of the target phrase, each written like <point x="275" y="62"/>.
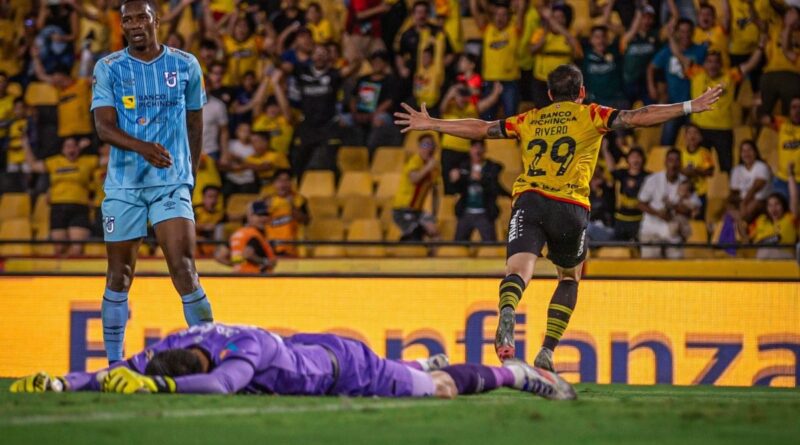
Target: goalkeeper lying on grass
<point x="222" y="359"/>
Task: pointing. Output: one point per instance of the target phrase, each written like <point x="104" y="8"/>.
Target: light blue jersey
<point x="151" y="99"/>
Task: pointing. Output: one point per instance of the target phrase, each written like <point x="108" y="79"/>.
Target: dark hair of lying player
<point x="178" y="362"/>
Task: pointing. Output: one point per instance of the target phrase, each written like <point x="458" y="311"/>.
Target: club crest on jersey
<point x="109" y="224"/>
<point x="171" y="77"/>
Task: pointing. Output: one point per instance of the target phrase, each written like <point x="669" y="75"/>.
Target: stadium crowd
<point x="299" y="141"/>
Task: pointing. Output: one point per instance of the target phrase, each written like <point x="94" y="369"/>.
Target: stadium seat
<point x="15" y="205"/>
<point x="365" y="230"/>
<point x="229" y="228"/>
<point x="15" y="228"/>
<point x="506" y="152"/>
<point x="387" y="160"/>
<point x="401" y="251"/>
<point x="470" y="29"/>
<point x="358" y="207"/>
<point x="317" y="183"/>
<point x="656" y="158"/>
<point x="328" y="252"/>
<point x="699" y="235"/>
<point x="354" y="184"/>
<point x="95" y="250"/>
<point x="507" y="179"/>
<point x="40" y="220"/>
<point x="447" y="228"/>
<point x="46" y="249"/>
<point x="768" y="146"/>
<point x="718" y="186"/>
<point x="648" y="137"/>
<point x="41" y="94"/>
<point x="352" y="159"/>
<point x="490" y="252"/>
<point x="325" y="229"/>
<point x="745" y="98"/>
<point x="236" y="208"/>
<point x="320" y="207"/>
<point x="614" y="253"/>
<point x="14" y="89"/>
<point x="447" y="206"/>
<point x="452" y="252"/>
<point x="387" y="187"/>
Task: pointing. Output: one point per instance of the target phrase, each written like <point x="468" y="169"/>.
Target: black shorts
<point x="64" y="216"/>
<point x="536" y="221"/>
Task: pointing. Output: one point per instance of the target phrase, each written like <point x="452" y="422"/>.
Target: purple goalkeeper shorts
<point x="360" y="371"/>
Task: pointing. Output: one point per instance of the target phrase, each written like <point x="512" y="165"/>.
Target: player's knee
<point x="119" y="277"/>
<point x="570" y="274"/>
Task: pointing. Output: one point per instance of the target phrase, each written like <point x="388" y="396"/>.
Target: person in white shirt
<point x="215" y="128"/>
<point x="751" y="180"/>
<point x="658" y="201"/>
<point x="239" y="179"/>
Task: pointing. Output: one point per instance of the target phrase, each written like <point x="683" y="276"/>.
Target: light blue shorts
<point x="126" y="211"/>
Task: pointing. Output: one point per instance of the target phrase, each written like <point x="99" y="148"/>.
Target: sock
<point x="559" y="311"/>
<point x="114" y="313"/>
<point x="472" y="378"/>
<point x="511" y="289"/>
<point x="196" y="308"/>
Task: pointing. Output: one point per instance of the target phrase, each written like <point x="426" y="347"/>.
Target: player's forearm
<point x="230" y="377"/>
<point x="647" y="116"/>
<point x="113" y="135"/>
<point x="467" y="128"/>
<point x="194" y="127"/>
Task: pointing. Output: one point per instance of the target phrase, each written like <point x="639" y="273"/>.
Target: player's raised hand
<point x="155" y="154"/>
<point x="707" y="99"/>
<point x="413" y="119"/>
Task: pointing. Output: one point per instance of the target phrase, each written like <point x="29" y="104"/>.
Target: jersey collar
<point x="163" y="51"/>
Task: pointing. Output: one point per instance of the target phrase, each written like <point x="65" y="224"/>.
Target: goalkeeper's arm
<point x="230" y="377"/>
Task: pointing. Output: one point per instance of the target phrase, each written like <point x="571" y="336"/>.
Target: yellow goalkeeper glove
<point x="39" y="382"/>
<point x="126" y="381"/>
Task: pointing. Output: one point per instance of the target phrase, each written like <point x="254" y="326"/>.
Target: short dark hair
<point x="714" y="53"/>
<point x="477" y="142"/>
<point x="3" y="74"/>
<point x="153" y="4"/>
<point x="708" y="6"/>
<point x="211" y="187"/>
<point x="217" y="63"/>
<point x="282" y="171"/>
<point x="753" y="144"/>
<point x="209" y="44"/>
<point x="264" y="134"/>
<point x="314" y="5"/>
<point x="565" y="83"/>
<point x="637" y="150"/>
<point x="18" y="100"/>
<point x="174" y="363"/>
<point x="674" y="151"/>
<point x="684" y="21"/>
<point x="782" y="199"/>
<point x="421" y="3"/>
<point x="567" y="10"/>
<point x="603" y="28"/>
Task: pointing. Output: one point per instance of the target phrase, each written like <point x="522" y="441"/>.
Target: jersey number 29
<point x="564" y="159"/>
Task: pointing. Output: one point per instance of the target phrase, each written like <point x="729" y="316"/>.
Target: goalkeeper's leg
<point x="473" y="378"/>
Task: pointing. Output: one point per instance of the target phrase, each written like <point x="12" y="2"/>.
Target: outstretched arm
<point x="230" y="377"/>
<point x="463" y="128"/>
<point x="657" y="114"/>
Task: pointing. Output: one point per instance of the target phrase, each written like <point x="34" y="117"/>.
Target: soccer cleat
<point x="435" y="362"/>
<point x="539" y="382"/>
<point x="504" y="339"/>
<point x="544" y="360"/>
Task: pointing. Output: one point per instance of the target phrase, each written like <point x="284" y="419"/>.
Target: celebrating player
<point x="148" y="105"/>
<point x="222" y="359"/>
<point x="560" y="143"/>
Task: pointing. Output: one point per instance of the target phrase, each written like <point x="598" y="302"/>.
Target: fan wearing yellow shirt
<point x="70" y="184"/>
<point x="781" y="78"/>
<point x="17" y="139"/>
<point x="242" y="50"/>
<point x="709" y="33"/>
<point x="501" y="38"/>
<point x="552" y="45"/>
<point x="716" y="126"/>
<point x="320" y="27"/>
<point x="788" y="147"/>
<point x="457" y="104"/>
<point x="742" y="24"/>
<point x="74" y="98"/>
<point x="207" y="217"/>
<point x="776" y="227"/>
<point x="265" y="162"/>
<point x="560" y="144"/>
<point x="288" y="211"/>
<point x="421" y="176"/>
<point x="697" y="164"/>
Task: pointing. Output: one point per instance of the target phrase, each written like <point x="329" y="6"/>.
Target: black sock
<point x="511" y="289"/>
<point x="559" y="311"/>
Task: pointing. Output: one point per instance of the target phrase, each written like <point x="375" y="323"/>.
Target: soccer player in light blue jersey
<point x="148" y="105"/>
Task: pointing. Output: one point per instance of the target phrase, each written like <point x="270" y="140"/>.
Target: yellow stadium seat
<point x="353" y="159"/>
<point x="447" y="228"/>
<point x="745" y="98"/>
<point x="236" y="207"/>
<point x="507" y="179"/>
<point x="95" y="249"/>
<point x="358" y="207"/>
<point x="718" y="186"/>
<point x="317" y="183"/>
<point x="506" y="152"/>
<point x="16" y="229"/>
<point x="767" y="143"/>
<point x="614" y="252"/>
<point x="470" y="30"/>
<point x="320" y="207"/>
<point x="328" y="252"/>
<point x="40" y="220"/>
<point x="14" y="89"/>
<point x="325" y="229"/>
<point x="41" y="94"/>
<point x="365" y="230"/>
<point x="229" y="228"/>
<point x="354" y="184"/>
<point x="447" y="206"/>
<point x="648" y="137"/>
<point x="46" y="249"/>
<point x="490" y="252"/>
<point x="387" y="160"/>
<point x="452" y="252"/>
<point x="656" y="158"/>
<point x="699" y="236"/>
<point x="387" y="187"/>
<point x="15" y="205"/>
<point x="401" y="251"/>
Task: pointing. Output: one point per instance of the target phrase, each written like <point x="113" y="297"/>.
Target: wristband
<point x="164" y="384"/>
<point x="687" y="107"/>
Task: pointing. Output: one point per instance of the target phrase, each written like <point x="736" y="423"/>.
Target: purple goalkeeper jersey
<point x="252" y="360"/>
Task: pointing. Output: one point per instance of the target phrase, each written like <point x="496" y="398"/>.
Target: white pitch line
<point x="345" y="405"/>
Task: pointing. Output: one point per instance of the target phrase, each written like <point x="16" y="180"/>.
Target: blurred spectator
<point x="731" y="220"/>
<point x="776" y="227"/>
<point x="750" y="181"/>
<point x="500" y="42"/>
<point x="207" y="219"/>
<point x="74" y="98"/>
<point x="628" y="182"/>
<point x="711" y="34"/>
<point x="601" y="199"/>
<point x="678" y="86"/>
<point x="476" y="181"/>
<point x="320" y="27"/>
<point x="16" y="172"/>
<point x="288" y="211"/>
<point x="238" y="178"/>
<point x="250" y="250"/>
<point x="638" y="45"/>
<point x="215" y="87"/>
<point x="264" y="161"/>
<point x="687" y="208"/>
<point x="420" y="177"/>
<point x="207" y="174"/>
<point x="742" y="24"/>
<point x="298" y="53"/>
<point x="208" y="55"/>
<point x="318" y="87"/>
<point x="697" y="164"/>
<point x="552" y="45"/>
<point x="457" y="104"/>
<point x="411" y="44"/>
<point x="58" y="30"/>
<point x="12" y="49"/>
<point x="275" y="116"/>
<point x="530" y="22"/>
<point x="469" y="77"/>
<point x="716" y="125"/>
<point x="428" y="79"/>
<point x="364" y="27"/>
<point x="290" y="14"/>
<point x="95" y="26"/>
<point x="788" y="147"/>
<point x="658" y="199"/>
<point x="372" y="103"/>
<point x="248" y="98"/>
<point x="602" y="70"/>
<point x="215" y="128"/>
<point x="242" y="48"/>
<point x="70" y="184"/>
<point x="781" y="78"/>
<point x="7" y="112"/>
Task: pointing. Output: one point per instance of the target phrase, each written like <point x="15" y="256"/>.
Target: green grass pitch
<point x="604" y="414"/>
